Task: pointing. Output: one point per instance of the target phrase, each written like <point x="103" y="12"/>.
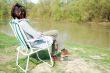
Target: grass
<point x="6" y="41"/>
<point x="99" y="57"/>
<point x="8" y="46"/>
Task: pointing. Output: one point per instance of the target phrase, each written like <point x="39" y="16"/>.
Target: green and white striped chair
<point x="25" y="47"/>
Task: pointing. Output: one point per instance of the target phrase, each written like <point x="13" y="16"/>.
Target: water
<point x="96" y="34"/>
<point x="5" y="28"/>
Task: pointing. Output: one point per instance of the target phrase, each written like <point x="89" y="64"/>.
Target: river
<point x="95" y="34"/>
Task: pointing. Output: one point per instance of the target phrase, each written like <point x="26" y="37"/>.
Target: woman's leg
<point x="53" y="33"/>
<point x="57" y="44"/>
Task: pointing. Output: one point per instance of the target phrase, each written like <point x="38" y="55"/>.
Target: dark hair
<point x="18" y="11"/>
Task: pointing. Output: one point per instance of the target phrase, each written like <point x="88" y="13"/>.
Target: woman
<point x="18" y="13"/>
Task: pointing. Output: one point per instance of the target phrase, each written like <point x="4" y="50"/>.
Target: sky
<point x="35" y="1"/>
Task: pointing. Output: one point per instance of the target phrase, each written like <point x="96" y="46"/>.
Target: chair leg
<point x="17" y="58"/>
<point x="51" y="60"/>
<point x="27" y="62"/>
<point x="17" y="62"/>
<point x="44" y="61"/>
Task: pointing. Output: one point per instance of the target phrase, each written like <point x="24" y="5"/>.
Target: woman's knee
<point x="55" y="32"/>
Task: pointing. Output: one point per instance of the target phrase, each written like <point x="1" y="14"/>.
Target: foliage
<point x="72" y="10"/>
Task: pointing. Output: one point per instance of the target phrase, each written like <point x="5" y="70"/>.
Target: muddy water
<point x="96" y="34"/>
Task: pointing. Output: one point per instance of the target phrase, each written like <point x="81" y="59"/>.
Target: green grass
<point x="6" y="41"/>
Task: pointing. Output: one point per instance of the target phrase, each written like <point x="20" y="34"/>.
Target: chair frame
<point x="28" y="52"/>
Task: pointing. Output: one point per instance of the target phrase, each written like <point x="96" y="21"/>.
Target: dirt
<point x="72" y="64"/>
<point x="6" y="58"/>
<point x="2" y="72"/>
<point x="7" y="55"/>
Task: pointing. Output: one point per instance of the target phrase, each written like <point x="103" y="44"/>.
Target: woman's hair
<point x="18" y="11"/>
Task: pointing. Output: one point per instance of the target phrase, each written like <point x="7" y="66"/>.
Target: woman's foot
<point x="64" y="53"/>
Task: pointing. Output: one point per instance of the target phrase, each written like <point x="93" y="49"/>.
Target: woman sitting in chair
<point x="18" y="13"/>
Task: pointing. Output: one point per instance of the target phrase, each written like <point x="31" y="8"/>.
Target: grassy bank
<point x="6" y="41"/>
<point x="7" y="52"/>
<point x="8" y="45"/>
<point x="98" y="57"/>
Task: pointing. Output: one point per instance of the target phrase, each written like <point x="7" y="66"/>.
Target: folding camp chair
<point x="25" y="47"/>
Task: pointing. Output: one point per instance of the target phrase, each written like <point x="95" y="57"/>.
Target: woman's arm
<point x="28" y="29"/>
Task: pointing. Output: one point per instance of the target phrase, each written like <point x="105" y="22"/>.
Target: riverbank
<point x="82" y="59"/>
<point x="98" y="57"/>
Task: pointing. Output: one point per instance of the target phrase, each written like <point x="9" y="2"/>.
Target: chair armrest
<point x="31" y="40"/>
<point x="38" y="39"/>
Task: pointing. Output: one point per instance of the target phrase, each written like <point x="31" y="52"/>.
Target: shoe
<point x="64" y="53"/>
